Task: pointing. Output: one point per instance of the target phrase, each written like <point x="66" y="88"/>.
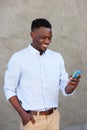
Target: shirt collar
<point x="33" y="50"/>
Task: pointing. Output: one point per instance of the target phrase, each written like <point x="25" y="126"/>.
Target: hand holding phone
<point x="73" y="81"/>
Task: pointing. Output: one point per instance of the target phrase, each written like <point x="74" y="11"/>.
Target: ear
<point x="32" y="34"/>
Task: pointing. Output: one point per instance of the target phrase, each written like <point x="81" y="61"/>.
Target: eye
<point x="50" y="38"/>
<point x="43" y="37"/>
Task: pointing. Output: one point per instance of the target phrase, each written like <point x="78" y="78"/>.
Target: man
<point x="33" y="80"/>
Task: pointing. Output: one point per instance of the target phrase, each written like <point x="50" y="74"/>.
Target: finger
<point x="74" y="79"/>
<point x="79" y="76"/>
<point x="74" y="82"/>
<point x="25" y="122"/>
<point x="32" y="119"/>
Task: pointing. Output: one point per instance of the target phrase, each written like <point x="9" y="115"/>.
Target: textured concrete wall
<point x="69" y="20"/>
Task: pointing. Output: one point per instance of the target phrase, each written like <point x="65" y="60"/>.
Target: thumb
<point x="32" y="119"/>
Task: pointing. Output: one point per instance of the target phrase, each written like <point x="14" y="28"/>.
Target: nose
<point x="47" y="41"/>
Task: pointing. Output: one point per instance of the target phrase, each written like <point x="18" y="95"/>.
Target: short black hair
<point x="40" y="22"/>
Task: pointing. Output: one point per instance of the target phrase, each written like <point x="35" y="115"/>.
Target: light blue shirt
<point x="35" y="79"/>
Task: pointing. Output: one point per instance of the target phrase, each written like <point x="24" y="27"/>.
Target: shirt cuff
<point x="9" y="94"/>
<point x="65" y="94"/>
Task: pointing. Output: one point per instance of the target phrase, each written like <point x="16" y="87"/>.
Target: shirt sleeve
<point x="12" y="75"/>
<point x="64" y="78"/>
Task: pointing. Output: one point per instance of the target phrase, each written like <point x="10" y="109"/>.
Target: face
<point x="41" y="38"/>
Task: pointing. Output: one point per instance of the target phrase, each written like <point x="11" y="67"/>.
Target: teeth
<point x="45" y="45"/>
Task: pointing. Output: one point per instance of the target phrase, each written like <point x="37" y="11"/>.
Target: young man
<point x="33" y="80"/>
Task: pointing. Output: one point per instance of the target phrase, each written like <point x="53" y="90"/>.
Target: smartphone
<point x="76" y="74"/>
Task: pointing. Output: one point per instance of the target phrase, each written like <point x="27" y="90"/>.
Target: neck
<point x="41" y="52"/>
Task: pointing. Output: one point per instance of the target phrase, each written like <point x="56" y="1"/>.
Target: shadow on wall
<point x="77" y="127"/>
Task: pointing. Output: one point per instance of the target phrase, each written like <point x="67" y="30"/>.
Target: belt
<point x="47" y="112"/>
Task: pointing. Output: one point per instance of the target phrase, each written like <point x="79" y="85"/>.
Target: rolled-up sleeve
<point x="64" y="78"/>
<point x="12" y="75"/>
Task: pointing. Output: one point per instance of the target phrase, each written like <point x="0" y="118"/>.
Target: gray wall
<point x="69" y="20"/>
